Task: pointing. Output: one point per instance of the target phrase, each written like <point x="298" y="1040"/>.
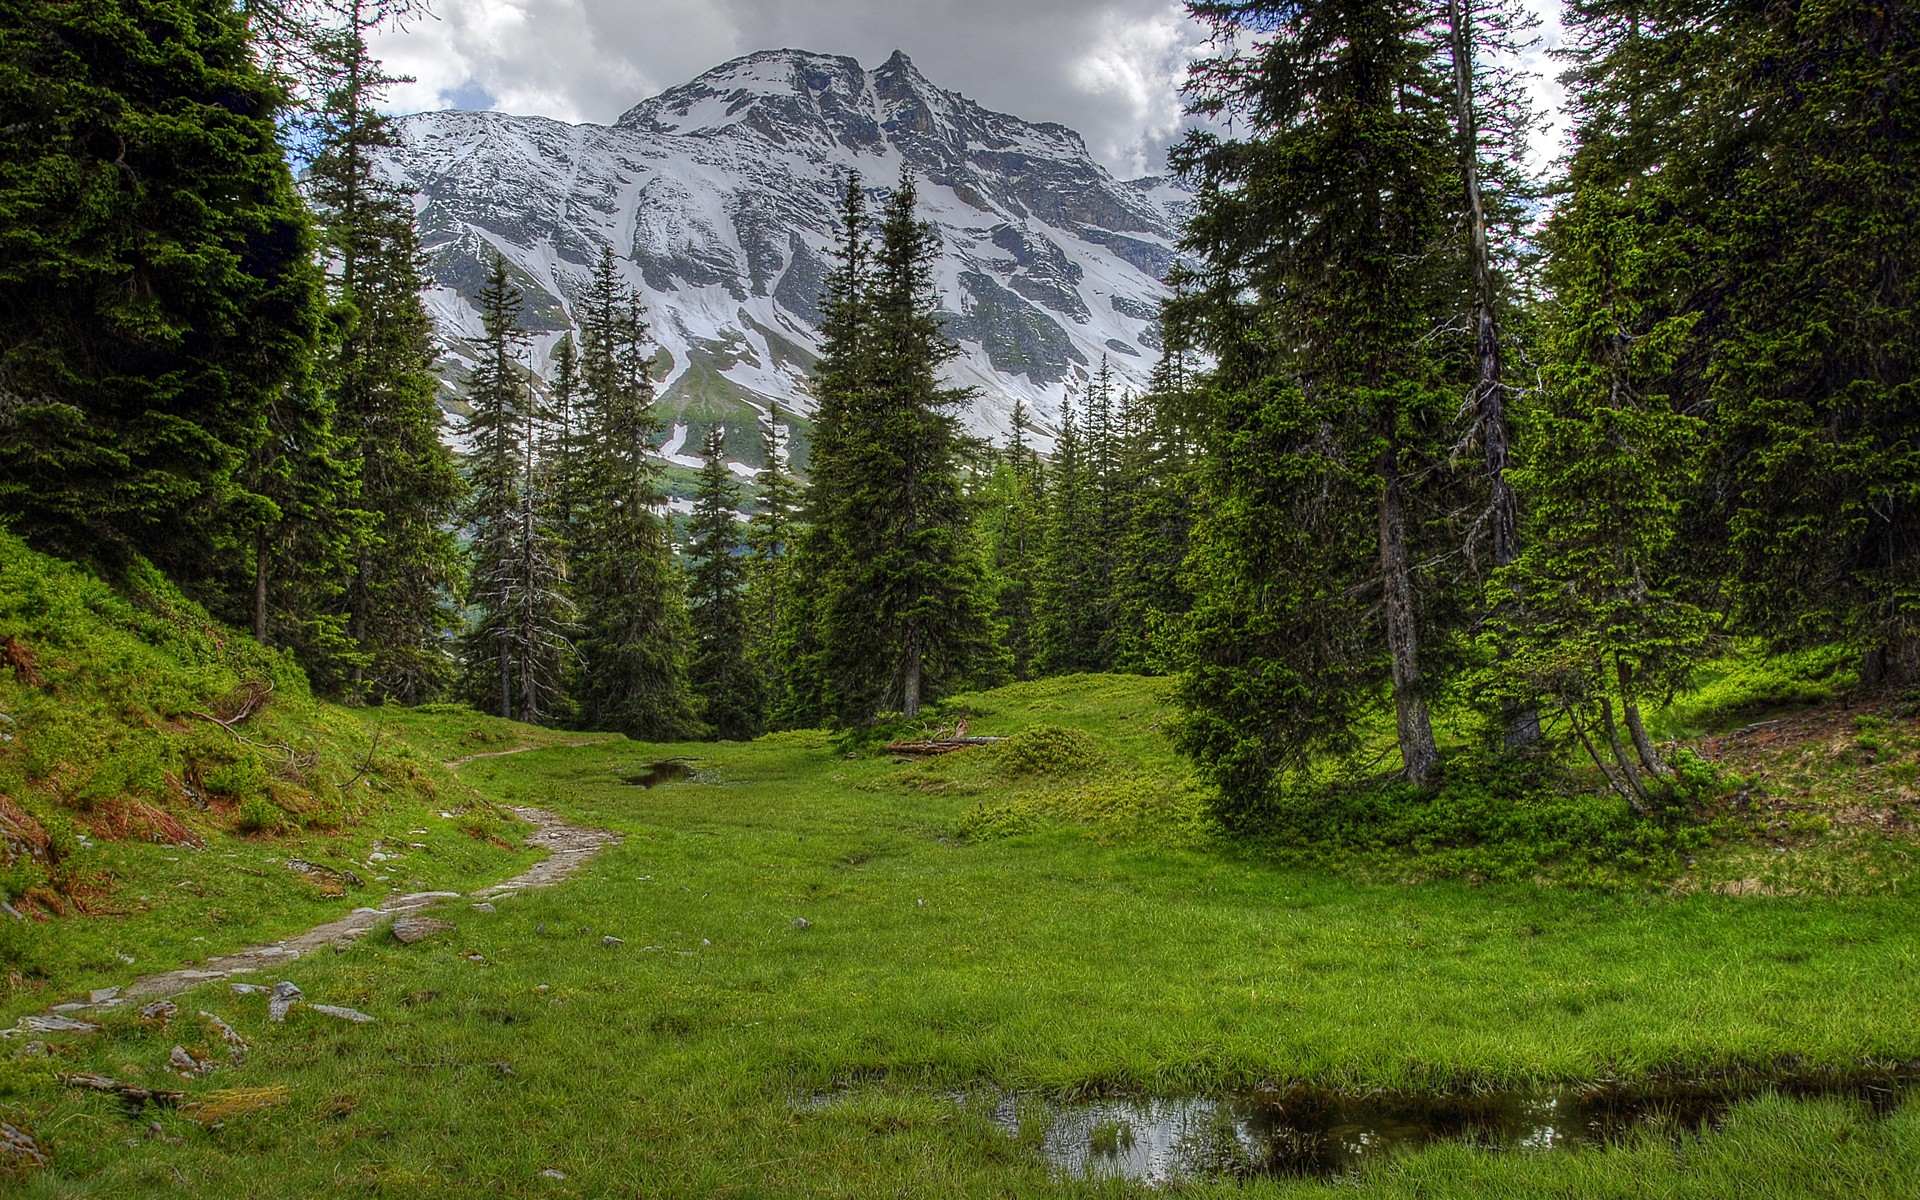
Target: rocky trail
<point x="569" y="847"/>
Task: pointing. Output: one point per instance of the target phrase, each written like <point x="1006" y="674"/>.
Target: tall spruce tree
<point x="1325" y="262"/>
<point x="1015" y="513"/>
<point x="770" y="547"/>
<point x="730" y="687"/>
<point x="1069" y="581"/>
<point x="905" y="610"/>
<point x="1763" y="155"/>
<point x="379" y="370"/>
<point x="1149" y="591"/>
<point x="159" y="304"/>
<point x="515" y="653"/>
<point x="634" y="636"/>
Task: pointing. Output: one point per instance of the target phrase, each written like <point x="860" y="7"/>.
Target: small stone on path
<point x="408" y="930"/>
<point x="802" y="923"/>
<point x="484" y="907"/>
<point x="611" y="940"/>
<point x="103" y="995"/>
<point x="550" y="1173"/>
<point x="248" y="989"/>
<point x="160" y="1010"/>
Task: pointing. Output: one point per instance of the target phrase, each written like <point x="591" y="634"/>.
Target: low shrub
<point x="1050" y="750"/>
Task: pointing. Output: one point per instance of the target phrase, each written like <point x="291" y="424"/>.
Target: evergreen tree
<point x="905" y="610"/>
<point x="801" y="697"/>
<point x="515" y="653"/>
<point x="770" y="545"/>
<point x="1325" y="272"/>
<point x="159" y="304"/>
<point x="1068" y="590"/>
<point x="1762" y="154"/>
<point x="380" y="372"/>
<point x="1015" y="512"/>
<point x="633" y="616"/>
<point x="730" y="687"/>
<point x="1149" y="592"/>
<point x="560" y="456"/>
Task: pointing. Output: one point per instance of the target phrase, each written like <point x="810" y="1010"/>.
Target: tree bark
<point x="1893" y="665"/>
<point x="260" y="588"/>
<point x="1522" y="720"/>
<point x="1637" y="730"/>
<point x="1417" y="750"/>
<point x="1627" y="772"/>
<point x="910" y="681"/>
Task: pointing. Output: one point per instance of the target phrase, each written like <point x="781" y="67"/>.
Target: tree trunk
<point x="1893" y="665"/>
<point x="1642" y="744"/>
<point x="1627" y="771"/>
<point x="1522" y="720"/>
<point x="506" y="681"/>
<point x="260" y="588"/>
<point x="910" y="683"/>
<point x="1417" y="750"/>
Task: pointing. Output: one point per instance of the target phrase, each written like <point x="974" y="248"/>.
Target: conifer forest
<point x="1493" y="540"/>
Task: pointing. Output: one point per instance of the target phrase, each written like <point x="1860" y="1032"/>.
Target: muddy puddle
<point x="668" y="770"/>
<point x="1310" y="1133"/>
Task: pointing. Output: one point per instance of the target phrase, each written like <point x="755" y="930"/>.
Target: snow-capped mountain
<point x="719" y="197"/>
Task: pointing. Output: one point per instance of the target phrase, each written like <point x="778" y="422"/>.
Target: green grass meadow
<point x="1004" y="919"/>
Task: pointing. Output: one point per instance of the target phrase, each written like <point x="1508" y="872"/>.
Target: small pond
<point x="1315" y="1133"/>
<point x="667" y="770"/>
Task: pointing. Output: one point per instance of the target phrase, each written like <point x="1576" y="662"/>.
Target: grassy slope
<point x="123" y="810"/>
<point x="1039" y="958"/>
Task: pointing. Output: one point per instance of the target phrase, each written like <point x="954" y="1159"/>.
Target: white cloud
<point x="1110" y="69"/>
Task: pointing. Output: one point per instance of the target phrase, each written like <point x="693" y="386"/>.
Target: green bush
<point x="1051" y="750"/>
<point x="260" y="815"/>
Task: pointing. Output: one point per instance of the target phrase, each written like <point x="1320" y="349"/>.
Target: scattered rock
<point x="705" y="942"/>
<point x="19" y="1147"/>
<point x="474" y="956"/>
<point x="132" y="1094"/>
<point x="38" y="1050"/>
<point x="248" y="989"/>
<point x="281" y="1000"/>
<point x="344" y="1014"/>
<point x="160" y="1010"/>
<point x="550" y="1173"/>
<point x="103" y="995"/>
<point x="801" y="923"/>
<point x="17" y="915"/>
<point x="187" y="1066"/>
<point x="236" y="1045"/>
<point x="55" y="1024"/>
<point x="611" y="940"/>
<point x="408" y="930"/>
<point x="71" y="1006"/>
<point x="504" y="1070"/>
<point x="542" y="988"/>
<point x="484" y="907"/>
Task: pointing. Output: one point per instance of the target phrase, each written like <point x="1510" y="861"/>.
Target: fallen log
<point x="940" y="745"/>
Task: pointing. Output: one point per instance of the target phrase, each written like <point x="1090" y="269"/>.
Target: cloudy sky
<point x="1108" y="68"/>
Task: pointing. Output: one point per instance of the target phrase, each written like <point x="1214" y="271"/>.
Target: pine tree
<point x="516" y="651"/>
<point x="770" y="547"/>
<point x="1149" y="591"/>
<point x="730" y="687"/>
<point x="1015" y="517"/>
<point x="159" y="304"/>
<point x="634" y="635"/>
<point x="1069" y="583"/>
<point x="562" y="444"/>
<point x="905" y="610"/>
<point x="801" y="696"/>
<point x="1763" y="155"/>
<point x="1325" y="268"/>
<point x="380" y="373"/>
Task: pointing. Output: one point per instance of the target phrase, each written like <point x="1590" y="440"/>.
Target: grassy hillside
<point x="158" y="772"/>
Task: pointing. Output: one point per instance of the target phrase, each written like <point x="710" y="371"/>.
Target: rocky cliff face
<point x="718" y="197"/>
